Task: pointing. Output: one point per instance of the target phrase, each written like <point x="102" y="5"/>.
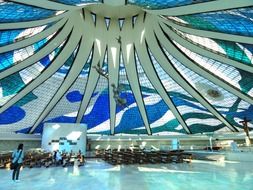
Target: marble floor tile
<point x="96" y="175"/>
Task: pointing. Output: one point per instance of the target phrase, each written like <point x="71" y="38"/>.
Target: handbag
<point x="14" y="165"/>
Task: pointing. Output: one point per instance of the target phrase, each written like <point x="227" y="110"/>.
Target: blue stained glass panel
<point x="239" y="78"/>
<point x="162" y="4"/>
<point x="8" y="36"/>
<point x="99" y="111"/>
<point x="247" y="13"/>
<point x="8" y="59"/>
<point x="77" y="2"/>
<point x="68" y="105"/>
<point x="128" y="117"/>
<point x="193" y="113"/>
<point x="12" y="84"/>
<point x="43" y="95"/>
<point x="161" y="119"/>
<point x="7" y="116"/>
<point x="233" y="50"/>
<point x="13" y="12"/>
<point x="231" y="21"/>
<point x="228" y="108"/>
<point x="249" y="48"/>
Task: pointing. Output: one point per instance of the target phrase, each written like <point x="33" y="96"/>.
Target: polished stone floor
<point x="98" y="175"/>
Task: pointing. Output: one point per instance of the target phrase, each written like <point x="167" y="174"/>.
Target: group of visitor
<point x="56" y="158"/>
<point x="67" y="158"/>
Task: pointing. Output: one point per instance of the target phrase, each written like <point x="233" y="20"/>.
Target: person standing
<point x="58" y="158"/>
<point x="17" y="157"/>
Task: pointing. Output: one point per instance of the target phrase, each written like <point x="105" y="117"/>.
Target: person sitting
<point x="68" y="159"/>
<point x="49" y="161"/>
<point x="80" y="159"/>
<point x="79" y="154"/>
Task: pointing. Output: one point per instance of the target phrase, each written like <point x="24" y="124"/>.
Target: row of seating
<point x="138" y="156"/>
<point x="5" y="159"/>
<point x="39" y="159"/>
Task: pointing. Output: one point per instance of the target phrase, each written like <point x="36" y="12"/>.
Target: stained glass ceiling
<point x="153" y="67"/>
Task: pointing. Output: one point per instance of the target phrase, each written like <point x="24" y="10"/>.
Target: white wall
<point x="19" y="136"/>
<point x="64" y="136"/>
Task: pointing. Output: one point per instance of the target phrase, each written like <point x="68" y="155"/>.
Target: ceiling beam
<point x="131" y="71"/>
<point x="45" y="4"/>
<point x="130" y="64"/>
<point x="180" y="56"/>
<point x="113" y="67"/>
<point x="148" y="68"/>
<point x="47" y="49"/>
<point x="97" y="56"/>
<point x="33" y="39"/>
<point x="91" y="84"/>
<point x="77" y="66"/>
<point x="202" y="51"/>
<point x="177" y="77"/>
<point x="208" y="34"/>
<point x="52" y="68"/>
<point x="34" y="23"/>
<point x="218" y="5"/>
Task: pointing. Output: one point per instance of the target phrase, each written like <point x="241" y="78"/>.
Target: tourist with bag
<point x="17" y="160"/>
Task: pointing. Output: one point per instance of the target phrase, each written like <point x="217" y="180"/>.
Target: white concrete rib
<point x="155" y="81"/>
<point x="52" y="68"/>
<point x="113" y="67"/>
<point x="176" y="76"/>
<point x="34" y="23"/>
<point x="45" y="4"/>
<point x="31" y="40"/>
<point x="54" y="43"/>
<point x="98" y="56"/>
<point x="132" y="75"/>
<point x="208" y="34"/>
<point x="77" y="66"/>
<point x="204" y="52"/>
<point x="210" y="6"/>
<point x="198" y="69"/>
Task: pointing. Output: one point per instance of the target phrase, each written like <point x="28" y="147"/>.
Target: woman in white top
<point x="17" y="156"/>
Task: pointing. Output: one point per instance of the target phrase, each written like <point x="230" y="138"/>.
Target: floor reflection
<point x="96" y="174"/>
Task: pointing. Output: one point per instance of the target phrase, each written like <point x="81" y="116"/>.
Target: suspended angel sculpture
<point x="101" y="71"/>
<point x="116" y="95"/>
